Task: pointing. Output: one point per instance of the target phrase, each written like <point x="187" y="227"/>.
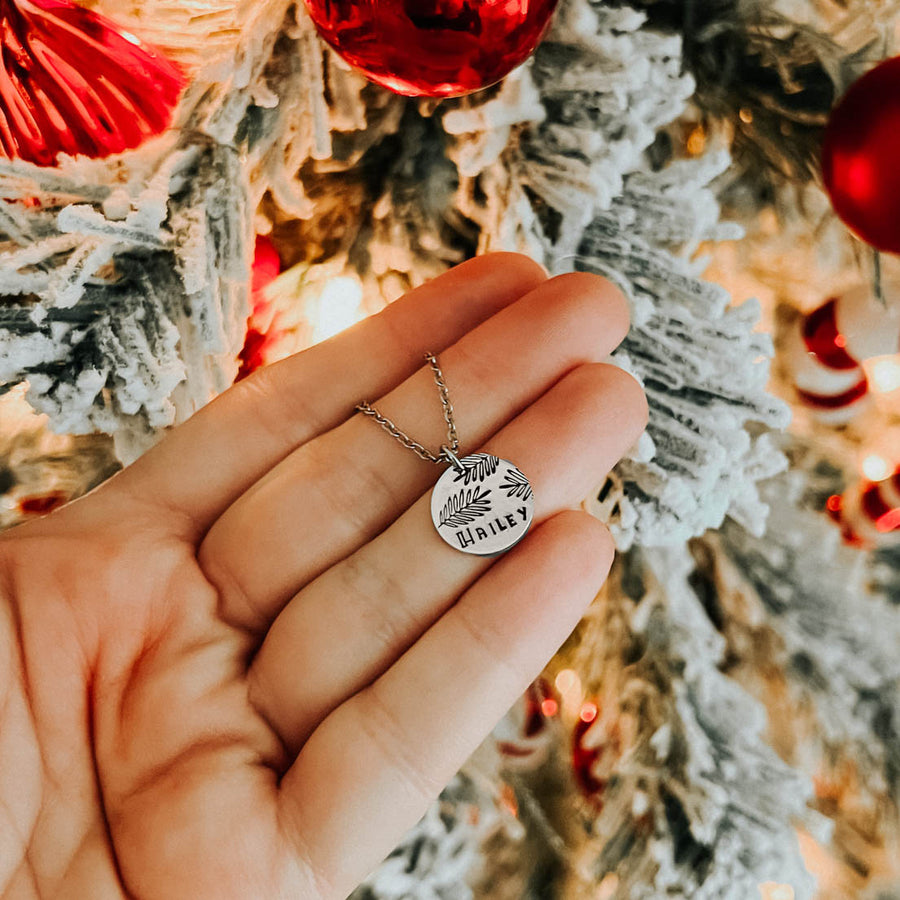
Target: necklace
<point x="482" y="504"/>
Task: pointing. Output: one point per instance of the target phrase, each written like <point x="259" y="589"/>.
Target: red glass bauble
<point x="72" y="82"/>
<point x="860" y="156"/>
<point x="433" y="48"/>
<point x="260" y="333"/>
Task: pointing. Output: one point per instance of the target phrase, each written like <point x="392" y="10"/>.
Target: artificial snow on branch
<point x="557" y="163"/>
<point x="686" y="797"/>
<point x="834" y="634"/>
<point x="721" y="800"/>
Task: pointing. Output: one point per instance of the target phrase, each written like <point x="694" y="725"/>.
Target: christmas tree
<point x="725" y="722"/>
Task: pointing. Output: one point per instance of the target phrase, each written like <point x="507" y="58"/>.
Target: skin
<point x="243" y="667"/>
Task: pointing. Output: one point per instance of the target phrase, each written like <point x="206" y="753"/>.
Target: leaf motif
<point x="516" y="485"/>
<point x="478" y="467"/>
<point x="465" y="507"/>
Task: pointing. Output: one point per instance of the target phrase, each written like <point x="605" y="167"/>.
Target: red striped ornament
<point x="524" y="736"/>
<point x="830" y="344"/>
<point x="869" y="512"/>
<point x="596" y="749"/>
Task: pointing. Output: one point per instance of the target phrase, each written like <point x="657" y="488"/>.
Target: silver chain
<point x="449" y="451"/>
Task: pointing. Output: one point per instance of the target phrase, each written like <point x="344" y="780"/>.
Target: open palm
<point x="244" y="666"/>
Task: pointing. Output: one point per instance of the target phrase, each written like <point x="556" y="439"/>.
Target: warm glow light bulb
<point x="880" y="455"/>
<point x="771" y="890"/>
<point x="608" y="887"/>
<point x="875" y="467"/>
<point x="885" y="374"/>
<point x="696" y="142"/>
<point x="571" y="692"/>
<point x="549" y="707"/>
<point x="339" y="307"/>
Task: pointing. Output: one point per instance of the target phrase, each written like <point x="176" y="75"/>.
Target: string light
<point x="549" y="707"/>
<point x="508" y="800"/>
<point x="875" y="467"/>
<point x="570" y="690"/>
<point x="880" y="455"/>
<point x="772" y="890"/>
<point x="339" y="307"/>
<point x="608" y="887"/>
<point x="696" y="142"/>
<point x="885" y="373"/>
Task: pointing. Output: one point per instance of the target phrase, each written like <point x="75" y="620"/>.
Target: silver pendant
<point x="483" y="506"/>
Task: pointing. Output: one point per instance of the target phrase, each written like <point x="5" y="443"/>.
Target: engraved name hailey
<point x="468" y="536"/>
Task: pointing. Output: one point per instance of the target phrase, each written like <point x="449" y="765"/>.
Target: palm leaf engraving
<point x="478" y="467"/>
<point x="516" y="485"/>
<point x="465" y="507"/>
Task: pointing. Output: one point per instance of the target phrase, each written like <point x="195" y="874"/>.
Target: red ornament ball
<point x="260" y="331"/>
<point x="73" y="82"/>
<point x="433" y="48"/>
<point x="860" y="157"/>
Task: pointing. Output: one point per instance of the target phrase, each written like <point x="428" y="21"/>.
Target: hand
<point x="244" y="666"/>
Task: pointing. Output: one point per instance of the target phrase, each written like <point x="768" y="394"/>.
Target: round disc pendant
<point x="485" y="508"/>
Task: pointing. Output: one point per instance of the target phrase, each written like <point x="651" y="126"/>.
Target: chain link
<point x="448" y="453"/>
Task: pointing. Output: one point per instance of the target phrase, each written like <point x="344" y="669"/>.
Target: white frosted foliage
<point x="837" y="633"/>
<point x="574" y="185"/>
<point x="717" y="807"/>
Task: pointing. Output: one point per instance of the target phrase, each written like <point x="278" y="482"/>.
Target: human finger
<point x="205" y="464"/>
<point x="350" y="624"/>
<point x="337" y="492"/>
<point x="392" y="747"/>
